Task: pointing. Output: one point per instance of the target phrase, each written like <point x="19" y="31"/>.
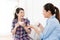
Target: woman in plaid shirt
<point x="20" y="28"/>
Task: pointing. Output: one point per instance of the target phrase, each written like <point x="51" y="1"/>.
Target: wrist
<point x="15" y="27"/>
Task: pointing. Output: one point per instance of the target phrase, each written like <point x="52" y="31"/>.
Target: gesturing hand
<point x="41" y="27"/>
<point x="22" y="24"/>
<point x="17" y="25"/>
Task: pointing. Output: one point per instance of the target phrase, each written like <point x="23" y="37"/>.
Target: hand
<point x="22" y="24"/>
<point x="30" y="26"/>
<point x="16" y="25"/>
<point x="40" y="26"/>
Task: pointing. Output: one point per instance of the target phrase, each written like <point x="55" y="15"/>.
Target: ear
<point x="16" y="14"/>
<point x="49" y="11"/>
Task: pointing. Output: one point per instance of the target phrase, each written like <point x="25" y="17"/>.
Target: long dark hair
<point x="53" y="9"/>
<point x="17" y="11"/>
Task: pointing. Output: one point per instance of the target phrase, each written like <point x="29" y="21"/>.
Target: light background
<point x="33" y="11"/>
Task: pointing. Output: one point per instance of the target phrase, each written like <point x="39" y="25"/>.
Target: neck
<point x="49" y="16"/>
<point x="19" y="19"/>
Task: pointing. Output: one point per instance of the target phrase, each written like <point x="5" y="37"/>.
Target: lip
<point x="22" y="16"/>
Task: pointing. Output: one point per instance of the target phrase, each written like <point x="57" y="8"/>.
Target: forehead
<point x="21" y="11"/>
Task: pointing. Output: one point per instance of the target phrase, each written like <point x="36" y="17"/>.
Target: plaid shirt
<point x="21" y="34"/>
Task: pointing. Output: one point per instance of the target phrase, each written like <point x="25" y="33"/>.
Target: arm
<point x="48" y="29"/>
<point x="27" y="28"/>
<point x="15" y="25"/>
<point x="14" y="31"/>
<point x="41" y="27"/>
<point x="36" y="30"/>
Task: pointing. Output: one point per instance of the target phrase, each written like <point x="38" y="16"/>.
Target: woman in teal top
<point x="52" y="28"/>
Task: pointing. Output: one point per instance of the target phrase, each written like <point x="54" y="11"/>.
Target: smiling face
<point x="46" y="13"/>
<point x="21" y="14"/>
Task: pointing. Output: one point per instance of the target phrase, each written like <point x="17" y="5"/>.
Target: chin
<point x="45" y="17"/>
<point x="22" y="17"/>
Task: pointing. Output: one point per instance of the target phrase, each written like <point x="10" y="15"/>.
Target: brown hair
<point x="53" y="9"/>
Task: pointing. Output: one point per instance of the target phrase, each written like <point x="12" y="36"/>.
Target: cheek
<point x="19" y="14"/>
<point x="22" y="14"/>
<point x="44" y="13"/>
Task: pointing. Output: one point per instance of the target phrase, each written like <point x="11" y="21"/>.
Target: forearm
<point x="14" y="31"/>
<point x="41" y="28"/>
<point x="37" y="31"/>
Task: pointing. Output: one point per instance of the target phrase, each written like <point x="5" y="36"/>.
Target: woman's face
<point x="21" y="14"/>
<point x="45" y="13"/>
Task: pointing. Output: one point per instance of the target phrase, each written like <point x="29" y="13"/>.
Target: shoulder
<point x="27" y="20"/>
<point x="14" y="20"/>
<point x="54" y="21"/>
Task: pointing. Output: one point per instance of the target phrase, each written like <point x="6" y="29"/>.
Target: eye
<point x="21" y="12"/>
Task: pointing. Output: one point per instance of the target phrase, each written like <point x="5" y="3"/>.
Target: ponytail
<point x="57" y="13"/>
<point x="15" y="16"/>
<point x="53" y="9"/>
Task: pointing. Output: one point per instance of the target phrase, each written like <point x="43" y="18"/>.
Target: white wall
<point x="7" y="8"/>
<point x="33" y="10"/>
